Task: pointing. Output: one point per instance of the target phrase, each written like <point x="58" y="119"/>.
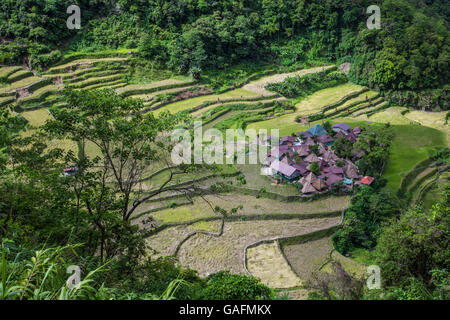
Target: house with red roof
<point x="367" y="180"/>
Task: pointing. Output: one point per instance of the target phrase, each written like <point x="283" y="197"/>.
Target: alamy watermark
<point x="374" y="21"/>
<point x="74" y="20"/>
<point x="210" y="146"/>
<point x="374" y="279"/>
<point x="74" y="280"/>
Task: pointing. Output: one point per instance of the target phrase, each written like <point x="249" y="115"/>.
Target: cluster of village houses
<point x="291" y="160"/>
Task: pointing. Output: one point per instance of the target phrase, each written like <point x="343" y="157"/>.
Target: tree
<point x="126" y="148"/>
<point x="375" y="141"/>
<point x="314" y="168"/>
<point x="343" y="147"/>
<point x="363" y="219"/>
<point x="415" y="244"/>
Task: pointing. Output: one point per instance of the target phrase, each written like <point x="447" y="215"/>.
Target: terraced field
<point x="208" y="254"/>
<point x="261" y="261"/>
<point x="310" y="105"/>
<point x="191" y="229"/>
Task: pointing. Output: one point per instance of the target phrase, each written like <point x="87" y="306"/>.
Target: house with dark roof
<point x="301" y="168"/>
<point x="323" y="164"/>
<point x="304" y="134"/>
<point x="331" y="178"/>
<point x="334" y="170"/>
<point x="349" y="136"/>
<point x="278" y="152"/>
<point x="302" y="150"/>
<point x="325" y="139"/>
<point x="287" y="140"/>
<point x="338" y="127"/>
<point x="357" y="130"/>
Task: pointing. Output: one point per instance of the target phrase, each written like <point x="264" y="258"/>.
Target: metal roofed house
<point x="317" y="130"/>
<point x="367" y="180"/>
<point x="285" y="170"/>
<point x="341" y="127"/>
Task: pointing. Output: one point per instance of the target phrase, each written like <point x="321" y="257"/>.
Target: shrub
<point x="226" y="286"/>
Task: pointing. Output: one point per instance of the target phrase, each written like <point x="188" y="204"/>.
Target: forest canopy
<point x="407" y="58"/>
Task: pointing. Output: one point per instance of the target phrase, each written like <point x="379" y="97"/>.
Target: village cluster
<point x="307" y="158"/>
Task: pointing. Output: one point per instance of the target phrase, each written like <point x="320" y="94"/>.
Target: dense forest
<point x="49" y="221"/>
<point x="408" y="58"/>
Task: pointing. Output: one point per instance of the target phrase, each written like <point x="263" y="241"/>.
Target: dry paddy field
<point x="208" y="254"/>
<point x="165" y="242"/>
<point x="267" y="263"/>
<point x="307" y="257"/>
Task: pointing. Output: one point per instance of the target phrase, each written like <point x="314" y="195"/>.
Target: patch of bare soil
<point x="22" y="93"/>
<point x="58" y="81"/>
<point x="208" y="254"/>
<point x="191" y="94"/>
<point x="345" y="67"/>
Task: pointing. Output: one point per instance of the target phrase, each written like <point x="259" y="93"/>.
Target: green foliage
<point x="343" y="147"/>
<point x="41" y="275"/>
<point x="301" y="86"/>
<point x="415" y="244"/>
<point x="226" y="286"/>
<point x="440" y="155"/>
<point x="375" y="141"/>
<point x="362" y="223"/>
<point x="315" y="168"/>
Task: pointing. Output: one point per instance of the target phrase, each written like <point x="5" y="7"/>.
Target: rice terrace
<point x="87" y="141"/>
